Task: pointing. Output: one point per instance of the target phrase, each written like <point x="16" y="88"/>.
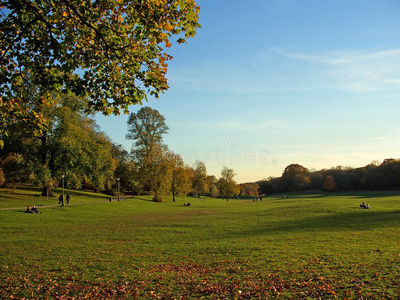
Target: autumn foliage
<point x="219" y="280"/>
<point x="329" y="183"/>
<point x="112" y="52"/>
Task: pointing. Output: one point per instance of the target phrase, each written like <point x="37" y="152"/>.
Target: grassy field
<point x="308" y="246"/>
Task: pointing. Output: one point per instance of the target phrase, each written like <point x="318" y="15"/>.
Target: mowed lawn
<point x="308" y="246"/>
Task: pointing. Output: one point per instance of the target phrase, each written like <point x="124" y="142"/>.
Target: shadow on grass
<point x="16" y="193"/>
<point x="13" y="198"/>
<point x="359" y="194"/>
<point x="143" y="199"/>
<point x="322" y="194"/>
<point x="380" y="194"/>
<point x="80" y="194"/>
<point x="360" y="219"/>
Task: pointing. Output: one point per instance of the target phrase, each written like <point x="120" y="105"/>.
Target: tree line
<point x="73" y="148"/>
<point x="295" y="177"/>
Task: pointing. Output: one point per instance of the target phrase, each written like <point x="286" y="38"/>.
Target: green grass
<point x="308" y="246"/>
<point x="26" y="195"/>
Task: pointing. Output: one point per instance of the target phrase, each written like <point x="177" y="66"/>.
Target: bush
<point x="158" y="198"/>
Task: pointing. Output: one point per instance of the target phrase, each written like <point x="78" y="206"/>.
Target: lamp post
<point x="62" y="177"/>
<point x="118" y="187"/>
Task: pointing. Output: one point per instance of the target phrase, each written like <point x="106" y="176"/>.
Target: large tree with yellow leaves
<point x="110" y="51"/>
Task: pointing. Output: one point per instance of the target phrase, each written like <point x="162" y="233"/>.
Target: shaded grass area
<point x="27" y="195"/>
<point x="306" y="246"/>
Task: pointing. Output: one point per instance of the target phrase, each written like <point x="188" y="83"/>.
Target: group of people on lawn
<point x="34" y="210"/>
<point x="363" y="205"/>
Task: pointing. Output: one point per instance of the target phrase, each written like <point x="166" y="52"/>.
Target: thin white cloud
<point x="355" y="71"/>
<point x="358" y="71"/>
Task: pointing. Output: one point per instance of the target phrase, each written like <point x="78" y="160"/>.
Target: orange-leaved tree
<point x="112" y="52"/>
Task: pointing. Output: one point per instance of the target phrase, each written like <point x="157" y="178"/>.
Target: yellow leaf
<point x="169" y="27"/>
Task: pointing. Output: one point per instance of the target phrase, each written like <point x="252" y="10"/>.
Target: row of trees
<point x="73" y="147"/>
<point x="295" y="177"/>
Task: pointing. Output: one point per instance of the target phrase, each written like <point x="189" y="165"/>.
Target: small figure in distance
<point x="367" y="206"/>
<point x="68" y="198"/>
<point x="61" y="200"/>
<point x="283" y="196"/>
<point x="28" y="209"/>
<point x="362" y="205"/>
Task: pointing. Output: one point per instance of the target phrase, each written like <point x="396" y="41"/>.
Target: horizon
<point x="269" y="84"/>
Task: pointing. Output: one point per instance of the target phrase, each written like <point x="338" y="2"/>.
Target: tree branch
<point x="96" y="30"/>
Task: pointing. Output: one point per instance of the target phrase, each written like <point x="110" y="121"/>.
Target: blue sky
<point x="268" y="83"/>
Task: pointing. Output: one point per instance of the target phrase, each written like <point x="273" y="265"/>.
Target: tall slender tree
<point x="147" y="128"/>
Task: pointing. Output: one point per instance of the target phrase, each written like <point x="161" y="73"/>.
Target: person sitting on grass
<point x="367" y="206"/>
<point x="34" y="210"/>
<point x="362" y="205"/>
<point x="28" y="209"/>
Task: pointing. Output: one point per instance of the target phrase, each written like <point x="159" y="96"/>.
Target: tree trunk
<point x="43" y="151"/>
<point x="46" y="191"/>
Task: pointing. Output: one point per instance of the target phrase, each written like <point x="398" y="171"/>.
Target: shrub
<point x="329" y="183"/>
<point x="158" y="198"/>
